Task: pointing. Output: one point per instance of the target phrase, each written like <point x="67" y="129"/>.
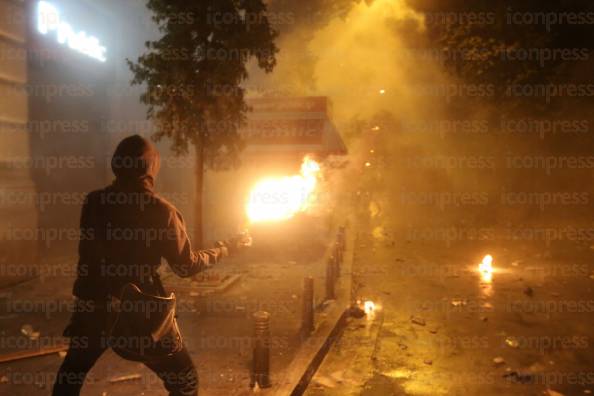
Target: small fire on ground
<point x="486" y="268"/>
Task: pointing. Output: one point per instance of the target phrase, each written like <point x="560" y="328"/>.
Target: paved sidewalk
<point x="217" y="328"/>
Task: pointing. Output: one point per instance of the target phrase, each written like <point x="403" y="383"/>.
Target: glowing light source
<point x="276" y="199"/>
<point x="382" y="91"/>
<point x="369" y="307"/>
<point x="49" y="20"/>
<point x="486" y="268"/>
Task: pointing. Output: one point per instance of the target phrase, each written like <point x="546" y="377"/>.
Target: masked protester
<point x="126" y="230"/>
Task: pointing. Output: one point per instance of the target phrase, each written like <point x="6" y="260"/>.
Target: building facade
<point x="18" y="213"/>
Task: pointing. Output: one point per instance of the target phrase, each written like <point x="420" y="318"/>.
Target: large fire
<point x="275" y="199"/>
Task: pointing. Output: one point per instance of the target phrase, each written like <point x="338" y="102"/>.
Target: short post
<point x="330" y="279"/>
<point x="307" y="324"/>
<point x="261" y="359"/>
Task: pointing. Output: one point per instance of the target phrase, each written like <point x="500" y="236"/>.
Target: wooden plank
<point x="311" y="354"/>
<point x="20" y="355"/>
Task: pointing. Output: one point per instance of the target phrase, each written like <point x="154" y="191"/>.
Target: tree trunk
<point x="198" y="237"/>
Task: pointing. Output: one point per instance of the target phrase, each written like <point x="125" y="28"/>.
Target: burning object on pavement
<point x="486" y="269"/>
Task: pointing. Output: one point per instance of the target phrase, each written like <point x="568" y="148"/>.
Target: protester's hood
<point x="135" y="164"/>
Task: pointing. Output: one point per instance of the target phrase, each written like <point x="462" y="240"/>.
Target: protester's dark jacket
<point x="126" y="229"/>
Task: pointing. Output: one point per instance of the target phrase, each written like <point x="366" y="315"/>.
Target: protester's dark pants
<point x="177" y="372"/>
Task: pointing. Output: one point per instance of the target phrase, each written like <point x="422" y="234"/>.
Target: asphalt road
<point x="440" y="329"/>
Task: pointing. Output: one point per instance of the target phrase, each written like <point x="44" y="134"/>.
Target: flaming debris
<point x="486" y="268"/>
<point x="369" y="307"/>
<point x="276" y="199"/>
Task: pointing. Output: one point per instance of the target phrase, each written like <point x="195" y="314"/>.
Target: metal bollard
<point x="261" y="359"/>
<point x="330" y="279"/>
<point x="307" y="324"/>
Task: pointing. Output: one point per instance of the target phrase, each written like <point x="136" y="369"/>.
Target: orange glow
<point x="277" y="199"/>
<point x="369" y="307"/>
<point x="486" y="268"/>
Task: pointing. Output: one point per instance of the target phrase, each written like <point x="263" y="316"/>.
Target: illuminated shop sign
<point x="50" y="21"/>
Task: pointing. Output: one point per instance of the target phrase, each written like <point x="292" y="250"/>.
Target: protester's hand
<point x="239" y="242"/>
<point x="214" y="255"/>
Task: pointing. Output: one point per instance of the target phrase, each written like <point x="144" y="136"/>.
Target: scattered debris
<point x="29" y="332"/>
<point x="338" y="376"/>
<point x="458" y="302"/>
<point x="428" y="362"/>
<point x="418" y="321"/>
<point x="499" y="361"/>
<point x="402" y="346"/>
<point x="125" y="378"/>
<point x="324" y="381"/>
<point x="399" y="374"/>
<point x="434" y="330"/>
<point x="517" y="377"/>
<point x="537" y="367"/>
<point x="512" y="342"/>
<point x="529" y="291"/>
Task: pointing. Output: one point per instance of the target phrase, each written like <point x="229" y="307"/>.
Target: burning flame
<point x="486" y="268"/>
<point x="369" y="307"/>
<point x="275" y="199"/>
